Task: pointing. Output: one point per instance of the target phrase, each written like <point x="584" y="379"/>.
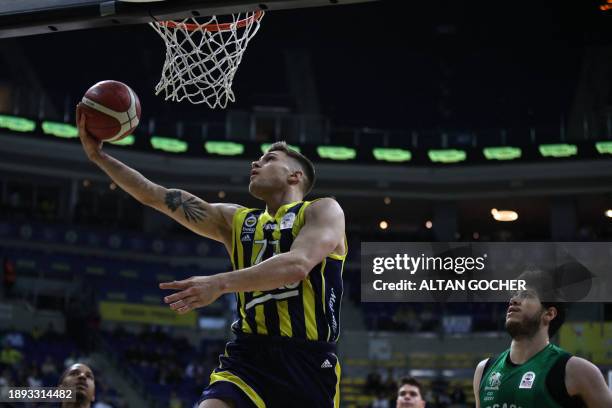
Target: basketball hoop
<point x="203" y="57"/>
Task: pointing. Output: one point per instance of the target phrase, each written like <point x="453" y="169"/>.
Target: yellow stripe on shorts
<point x="337" y="396"/>
<point x="238" y="382"/>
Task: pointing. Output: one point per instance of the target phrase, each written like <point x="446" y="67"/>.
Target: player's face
<point x="409" y="396"/>
<point x="81" y="378"/>
<point x="524" y="314"/>
<point x="270" y="173"/>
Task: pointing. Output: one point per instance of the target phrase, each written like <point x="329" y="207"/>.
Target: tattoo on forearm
<point x="193" y="210"/>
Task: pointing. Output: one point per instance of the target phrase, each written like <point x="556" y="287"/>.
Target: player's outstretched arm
<point x="322" y="234"/>
<point x="584" y="379"/>
<point x="477" y="378"/>
<point x="210" y="220"/>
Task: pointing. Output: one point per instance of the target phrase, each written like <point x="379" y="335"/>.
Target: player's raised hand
<point x="197" y="291"/>
<point x="91" y="145"/>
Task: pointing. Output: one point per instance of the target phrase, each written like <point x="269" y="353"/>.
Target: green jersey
<point x="537" y="383"/>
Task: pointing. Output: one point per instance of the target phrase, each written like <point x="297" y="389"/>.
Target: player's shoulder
<point x="580" y="367"/>
<point x="583" y="377"/>
<point x="229" y="210"/>
<point x="325" y="204"/>
<point x="481" y="367"/>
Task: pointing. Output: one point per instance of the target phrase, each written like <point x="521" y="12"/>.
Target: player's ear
<point x="295" y="177"/>
<point x="550" y="313"/>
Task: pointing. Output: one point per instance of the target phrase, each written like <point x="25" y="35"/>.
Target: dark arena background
<point x="421" y="118"/>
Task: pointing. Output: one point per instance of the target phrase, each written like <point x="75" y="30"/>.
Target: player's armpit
<point x="210" y="220"/>
<point x="322" y="233"/>
<point x="477" y="378"/>
<point x="583" y="378"/>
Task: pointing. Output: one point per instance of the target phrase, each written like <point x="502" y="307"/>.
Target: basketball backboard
<point x="28" y="17"/>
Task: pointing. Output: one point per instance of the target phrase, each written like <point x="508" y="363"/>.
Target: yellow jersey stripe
<point x="284" y="319"/>
<point x="260" y="319"/>
<point x="310" y="320"/>
<point x="245" y="326"/>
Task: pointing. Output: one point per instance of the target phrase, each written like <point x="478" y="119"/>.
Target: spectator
<point x="10" y="356"/>
<point x="9" y="277"/>
<point x="71" y="359"/>
<point x="34" y="380"/>
<point x="175" y="401"/>
<point x="410" y="394"/>
<point x="48" y="367"/>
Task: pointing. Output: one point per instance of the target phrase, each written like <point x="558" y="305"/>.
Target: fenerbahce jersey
<point x="308" y="309"/>
<point x="537" y="383"/>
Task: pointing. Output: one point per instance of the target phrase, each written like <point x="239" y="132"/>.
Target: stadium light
<point x="168" y="144"/>
<point x="266" y="146"/>
<point x="502" y="153"/>
<point x="447" y="156"/>
<point x="17" y="124"/>
<point x="391" y="154"/>
<point x="383" y="225"/>
<point x="224" y="148"/>
<point x="126" y="141"/>
<point x="504" y="215"/>
<point x="604" y="147"/>
<point x="428" y="224"/>
<point x="336" y="152"/>
<point x="609" y="213"/>
<point x="558" y="150"/>
<point x="58" y="129"/>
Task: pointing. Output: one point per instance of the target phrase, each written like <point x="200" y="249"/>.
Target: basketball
<point x="112" y="110"/>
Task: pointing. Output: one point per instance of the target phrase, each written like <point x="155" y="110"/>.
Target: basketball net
<point x="203" y="57"/>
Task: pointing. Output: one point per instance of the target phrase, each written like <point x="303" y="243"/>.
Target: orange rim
<point x="213" y="27"/>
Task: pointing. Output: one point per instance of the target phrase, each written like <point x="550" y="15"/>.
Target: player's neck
<point x="277" y="200"/>
<point x="522" y="349"/>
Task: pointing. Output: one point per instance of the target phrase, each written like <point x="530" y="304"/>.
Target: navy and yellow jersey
<point x="308" y="309"/>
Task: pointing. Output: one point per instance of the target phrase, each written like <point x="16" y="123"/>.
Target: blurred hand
<point x="197" y="291"/>
<point x="91" y="145"/>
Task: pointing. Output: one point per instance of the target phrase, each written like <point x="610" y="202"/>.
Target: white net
<point x="203" y="57"/>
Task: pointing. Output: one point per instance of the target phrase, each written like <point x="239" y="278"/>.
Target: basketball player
<point x="410" y="394"/>
<point x="288" y="260"/>
<point x="80" y="378"/>
<point x="533" y="373"/>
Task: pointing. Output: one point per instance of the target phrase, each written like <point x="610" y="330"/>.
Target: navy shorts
<point x="276" y="372"/>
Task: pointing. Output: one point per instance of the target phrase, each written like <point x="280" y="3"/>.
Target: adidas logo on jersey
<point x="246" y="238"/>
<point x="326" y="364"/>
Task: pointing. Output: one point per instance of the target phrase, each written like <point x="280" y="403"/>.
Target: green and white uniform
<point x="537" y="383"/>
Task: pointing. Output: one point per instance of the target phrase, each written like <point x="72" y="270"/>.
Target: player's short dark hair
<point x="543" y="283"/>
<point x="411" y="381"/>
<point x="305" y="163"/>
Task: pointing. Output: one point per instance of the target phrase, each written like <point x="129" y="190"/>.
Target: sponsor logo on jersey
<point x="287" y="221"/>
<point x="527" y="380"/>
<point x="494" y="381"/>
<point x="250" y="221"/>
<point x="269" y="226"/>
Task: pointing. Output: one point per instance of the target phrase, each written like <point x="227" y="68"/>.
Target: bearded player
<point x="533" y="373"/>
<point x="288" y="260"/>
